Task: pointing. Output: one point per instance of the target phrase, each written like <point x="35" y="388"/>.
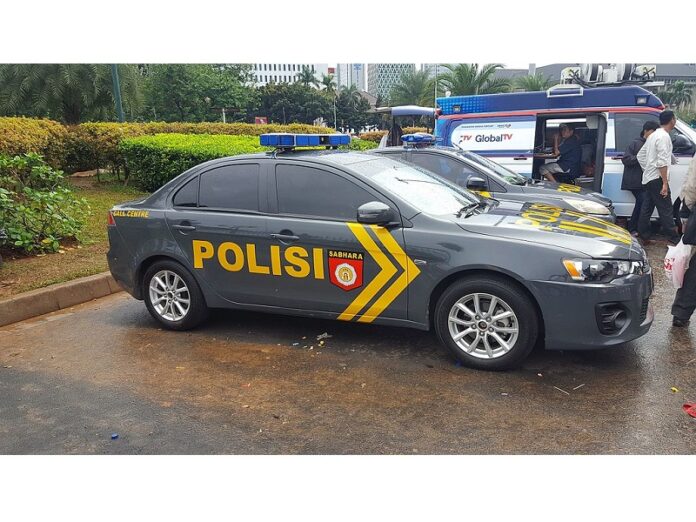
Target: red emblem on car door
<point x="346" y="269"/>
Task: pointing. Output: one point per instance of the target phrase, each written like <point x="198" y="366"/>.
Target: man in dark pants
<point x="685" y="301"/>
<point x="655" y="158"/>
<point x="633" y="174"/>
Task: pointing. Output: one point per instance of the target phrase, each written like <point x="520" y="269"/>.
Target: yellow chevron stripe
<point x="611" y="226"/>
<point x="410" y="272"/>
<point x="387" y="271"/>
<point x="587" y="229"/>
<point x="619" y="236"/>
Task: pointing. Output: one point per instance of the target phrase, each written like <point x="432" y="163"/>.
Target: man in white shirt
<point x="655" y="158"/>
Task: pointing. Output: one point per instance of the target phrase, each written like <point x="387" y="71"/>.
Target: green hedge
<point x="154" y="160"/>
<point x="29" y="135"/>
<point x="96" y="145"/>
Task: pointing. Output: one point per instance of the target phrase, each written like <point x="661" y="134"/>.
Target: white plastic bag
<point x="676" y="263"/>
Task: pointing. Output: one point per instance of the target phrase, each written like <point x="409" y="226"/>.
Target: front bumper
<point x="572" y="311"/>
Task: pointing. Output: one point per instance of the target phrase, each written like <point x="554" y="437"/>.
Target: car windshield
<point x="503" y="172"/>
<point x="424" y="190"/>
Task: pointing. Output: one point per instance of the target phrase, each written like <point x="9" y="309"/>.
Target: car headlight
<point x="602" y="270"/>
<point x="587" y="206"/>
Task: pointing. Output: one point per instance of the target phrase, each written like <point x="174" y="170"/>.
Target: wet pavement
<point x="249" y="383"/>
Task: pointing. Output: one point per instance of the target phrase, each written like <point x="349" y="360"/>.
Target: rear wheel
<point x="486" y="322"/>
<point x="173" y="297"/>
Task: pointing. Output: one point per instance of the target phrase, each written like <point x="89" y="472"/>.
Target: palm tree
<point x="679" y="94"/>
<point x="413" y="88"/>
<point x="533" y="82"/>
<point x="466" y="78"/>
<point x="69" y="92"/>
<point x="306" y="77"/>
<point x="329" y="84"/>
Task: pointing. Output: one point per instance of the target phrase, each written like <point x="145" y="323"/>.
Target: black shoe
<point x="679" y="323"/>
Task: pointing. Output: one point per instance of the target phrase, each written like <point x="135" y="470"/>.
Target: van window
<point x="628" y="127"/>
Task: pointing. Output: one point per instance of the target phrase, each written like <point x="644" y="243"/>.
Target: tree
<point x="71" y="93"/>
<point x="534" y="82"/>
<point x="306" y="77"/>
<point x="293" y="103"/>
<point x="197" y="92"/>
<point x="467" y="78"/>
<point x="413" y="88"/>
<point x="352" y="109"/>
<point x="678" y="94"/>
<point x="329" y="84"/>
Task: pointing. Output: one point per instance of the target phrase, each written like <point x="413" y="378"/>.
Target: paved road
<point x="252" y="383"/>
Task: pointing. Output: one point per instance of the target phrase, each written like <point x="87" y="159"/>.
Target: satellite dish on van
<point x="624" y="71"/>
<point x="591" y="72"/>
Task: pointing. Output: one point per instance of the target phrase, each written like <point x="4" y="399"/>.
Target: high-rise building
<point x="430" y="69"/>
<point x="348" y="74"/>
<point x="264" y="73"/>
<point x="381" y="77"/>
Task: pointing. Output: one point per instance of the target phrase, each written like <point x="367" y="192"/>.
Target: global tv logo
<point x="487" y="138"/>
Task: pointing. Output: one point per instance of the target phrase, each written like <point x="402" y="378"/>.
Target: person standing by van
<point x="685" y="301"/>
<point x="633" y="173"/>
<point x="655" y="158"/>
<point x="569" y="154"/>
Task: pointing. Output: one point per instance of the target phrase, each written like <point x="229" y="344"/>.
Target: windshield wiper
<point x="467" y="210"/>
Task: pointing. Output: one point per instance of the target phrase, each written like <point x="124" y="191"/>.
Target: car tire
<point x="173" y="297"/>
<point x="478" y="337"/>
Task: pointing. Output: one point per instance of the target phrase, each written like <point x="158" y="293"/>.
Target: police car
<point x="490" y="179"/>
<point x="364" y="238"/>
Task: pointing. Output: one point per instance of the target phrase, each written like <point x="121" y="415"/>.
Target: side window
<point x="628" y="127"/>
<point x="232" y="187"/>
<point x="187" y="196"/>
<point x="309" y="191"/>
<point x="447" y="167"/>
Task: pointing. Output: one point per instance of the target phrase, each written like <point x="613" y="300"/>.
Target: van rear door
<point x="508" y="140"/>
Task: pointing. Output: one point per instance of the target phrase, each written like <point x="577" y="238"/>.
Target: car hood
<point x="565" y="190"/>
<point x="549" y="225"/>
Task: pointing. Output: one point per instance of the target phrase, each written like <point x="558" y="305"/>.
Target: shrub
<point x="30" y="135"/>
<point x="361" y="144"/>
<point x="154" y="160"/>
<point x="374" y="136"/>
<point x="411" y="130"/>
<point x="96" y="145"/>
<point x="37" y="211"/>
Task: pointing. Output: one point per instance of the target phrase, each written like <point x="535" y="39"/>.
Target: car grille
<point x="644" y="309"/>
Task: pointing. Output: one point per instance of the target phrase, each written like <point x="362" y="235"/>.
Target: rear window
<point x="232" y="187"/>
<point x="187" y="196"/>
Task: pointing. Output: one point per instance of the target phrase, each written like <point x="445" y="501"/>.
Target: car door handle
<point x="184" y="228"/>
<point x="285" y="237"/>
<point x="617" y="157"/>
<point x="519" y="158"/>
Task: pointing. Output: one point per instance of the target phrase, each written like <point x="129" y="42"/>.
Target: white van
<point x="516" y="129"/>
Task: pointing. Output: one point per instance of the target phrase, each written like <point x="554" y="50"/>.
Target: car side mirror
<point x="375" y="213"/>
<point x="682" y="145"/>
<point x="476" y="183"/>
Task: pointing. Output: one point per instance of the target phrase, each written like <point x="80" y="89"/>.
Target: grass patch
<point x="27" y="273"/>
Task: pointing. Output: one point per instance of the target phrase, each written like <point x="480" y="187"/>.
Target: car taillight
<point x="110" y="220"/>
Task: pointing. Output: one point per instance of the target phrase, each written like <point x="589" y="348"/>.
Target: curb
<point x="56" y="297"/>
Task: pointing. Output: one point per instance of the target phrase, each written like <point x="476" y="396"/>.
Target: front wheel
<point x="487" y="322"/>
<point x="173" y="297"/>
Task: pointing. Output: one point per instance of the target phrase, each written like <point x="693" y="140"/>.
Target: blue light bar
<point x="421" y="138"/>
<point x="290" y="141"/>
